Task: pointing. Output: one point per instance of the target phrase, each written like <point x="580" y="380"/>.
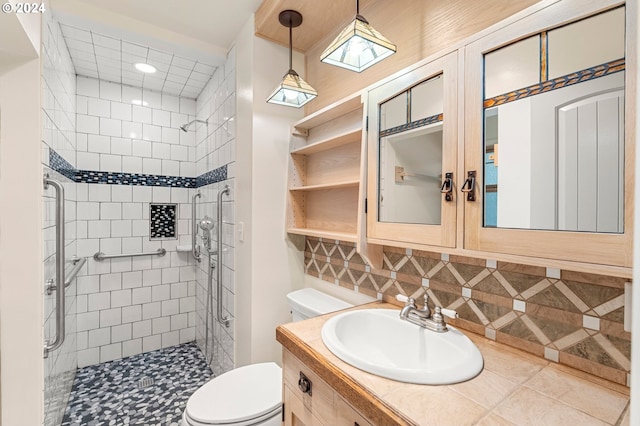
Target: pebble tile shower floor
<point x="148" y="389"/>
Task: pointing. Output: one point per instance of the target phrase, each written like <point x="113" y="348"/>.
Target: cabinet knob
<point x="304" y="384"/>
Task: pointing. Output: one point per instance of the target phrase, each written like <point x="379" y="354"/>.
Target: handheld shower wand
<point x="207" y="224"/>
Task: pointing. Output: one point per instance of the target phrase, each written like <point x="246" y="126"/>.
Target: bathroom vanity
<point x="513" y="388"/>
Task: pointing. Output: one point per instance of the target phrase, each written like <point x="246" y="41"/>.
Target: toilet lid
<point x="238" y="395"/>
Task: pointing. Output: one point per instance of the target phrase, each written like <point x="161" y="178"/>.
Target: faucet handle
<point x="408" y="301"/>
<point x="449" y="312"/>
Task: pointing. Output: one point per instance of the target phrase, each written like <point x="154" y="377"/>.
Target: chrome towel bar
<point x="52" y="345"/>
<point x="101" y="256"/>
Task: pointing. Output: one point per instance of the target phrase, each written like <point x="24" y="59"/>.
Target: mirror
<point x="410" y="149"/>
<point x="554" y="129"/>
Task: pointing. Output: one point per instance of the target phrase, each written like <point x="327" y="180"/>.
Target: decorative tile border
<point x="558" y="83"/>
<point x="572" y="318"/>
<point x="62" y="166"/>
<point x="136" y="179"/>
<point x="413" y="125"/>
<point x="213" y="176"/>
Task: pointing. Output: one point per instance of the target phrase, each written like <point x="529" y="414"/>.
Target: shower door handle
<point x="52" y="345"/>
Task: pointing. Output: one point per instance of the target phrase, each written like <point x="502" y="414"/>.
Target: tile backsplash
<point x="572" y="318"/>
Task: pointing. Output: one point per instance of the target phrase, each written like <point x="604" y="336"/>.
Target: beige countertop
<point x="514" y="388"/>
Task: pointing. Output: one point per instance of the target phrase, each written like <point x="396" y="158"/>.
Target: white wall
<point x="21" y="307"/>
<point x="268" y="266"/>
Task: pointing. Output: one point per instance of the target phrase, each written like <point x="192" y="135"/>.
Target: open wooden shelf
<point x="324" y="186"/>
<point x="325" y="197"/>
<point x="321" y="233"/>
<point x="328" y="113"/>
<point x="330" y="143"/>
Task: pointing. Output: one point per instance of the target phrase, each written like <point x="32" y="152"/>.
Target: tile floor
<point x="119" y="392"/>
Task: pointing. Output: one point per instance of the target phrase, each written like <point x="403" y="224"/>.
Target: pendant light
<point x="293" y="90"/>
<point x="358" y="46"/>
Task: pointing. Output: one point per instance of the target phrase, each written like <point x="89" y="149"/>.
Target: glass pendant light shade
<point x="358" y="46"/>
<point x="293" y="90"/>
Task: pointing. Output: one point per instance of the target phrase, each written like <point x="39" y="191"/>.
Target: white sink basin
<point x="379" y="342"/>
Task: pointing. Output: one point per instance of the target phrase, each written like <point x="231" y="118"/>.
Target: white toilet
<point x="252" y="395"/>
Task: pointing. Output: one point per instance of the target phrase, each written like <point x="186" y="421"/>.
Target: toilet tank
<point x="309" y="302"/>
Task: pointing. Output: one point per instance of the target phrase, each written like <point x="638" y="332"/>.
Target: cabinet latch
<point x="469" y="185"/>
<point x="447" y="186"/>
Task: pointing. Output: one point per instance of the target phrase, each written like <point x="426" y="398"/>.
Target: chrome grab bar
<point x="101" y="256"/>
<point x="78" y="263"/>
<point x="195" y="249"/>
<point x="221" y="319"/>
<point x="50" y="345"/>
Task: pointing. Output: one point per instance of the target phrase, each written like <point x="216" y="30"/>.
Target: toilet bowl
<point x="252" y="395"/>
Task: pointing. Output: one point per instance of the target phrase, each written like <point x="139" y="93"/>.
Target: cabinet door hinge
<point x="366" y="205"/>
<point x="366" y="124"/>
<point x="283" y="418"/>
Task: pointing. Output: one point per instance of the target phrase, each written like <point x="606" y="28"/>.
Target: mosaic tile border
<point x="146" y="389"/>
<point x="558" y="83"/>
<point x="62" y="166"/>
<point x="572" y="318"/>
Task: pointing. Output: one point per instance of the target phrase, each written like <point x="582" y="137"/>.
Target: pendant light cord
<point x="290" y="46"/>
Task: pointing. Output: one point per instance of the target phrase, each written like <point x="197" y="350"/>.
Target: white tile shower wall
<point x="134" y="304"/>
<point x="58" y="120"/>
<point x="216" y="147"/>
<point x="127" y="129"/>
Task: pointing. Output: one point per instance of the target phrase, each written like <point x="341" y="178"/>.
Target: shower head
<point x="185" y="127"/>
<point x="207" y="224"/>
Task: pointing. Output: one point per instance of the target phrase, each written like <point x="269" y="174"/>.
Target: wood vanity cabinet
<point x="321" y="406"/>
<point x="467" y="224"/>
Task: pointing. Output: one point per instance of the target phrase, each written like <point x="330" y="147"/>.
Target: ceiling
<point x="184" y="40"/>
<point x="113" y="59"/>
<point x="319" y="19"/>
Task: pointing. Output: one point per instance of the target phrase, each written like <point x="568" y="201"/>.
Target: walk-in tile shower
<point x="130" y="150"/>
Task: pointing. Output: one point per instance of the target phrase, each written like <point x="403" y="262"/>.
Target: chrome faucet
<point x="423" y="317"/>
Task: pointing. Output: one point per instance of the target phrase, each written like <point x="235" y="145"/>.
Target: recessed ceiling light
<point x="146" y="68"/>
<point x="139" y="102"/>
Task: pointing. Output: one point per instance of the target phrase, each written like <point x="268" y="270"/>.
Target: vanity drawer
<point x="346" y="415"/>
<point x="320" y="400"/>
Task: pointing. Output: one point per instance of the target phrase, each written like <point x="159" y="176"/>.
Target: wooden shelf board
<point x="329" y="113"/>
<point x="320" y="233"/>
<point x="333" y="142"/>
<point x="324" y="186"/>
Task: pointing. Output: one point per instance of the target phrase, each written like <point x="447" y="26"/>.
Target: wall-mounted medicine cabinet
<point x="518" y="144"/>
<point x="549" y="132"/>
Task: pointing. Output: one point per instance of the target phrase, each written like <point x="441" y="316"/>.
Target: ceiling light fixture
<point x="293" y="90"/>
<point x="358" y="46"/>
<point x="145" y="68"/>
